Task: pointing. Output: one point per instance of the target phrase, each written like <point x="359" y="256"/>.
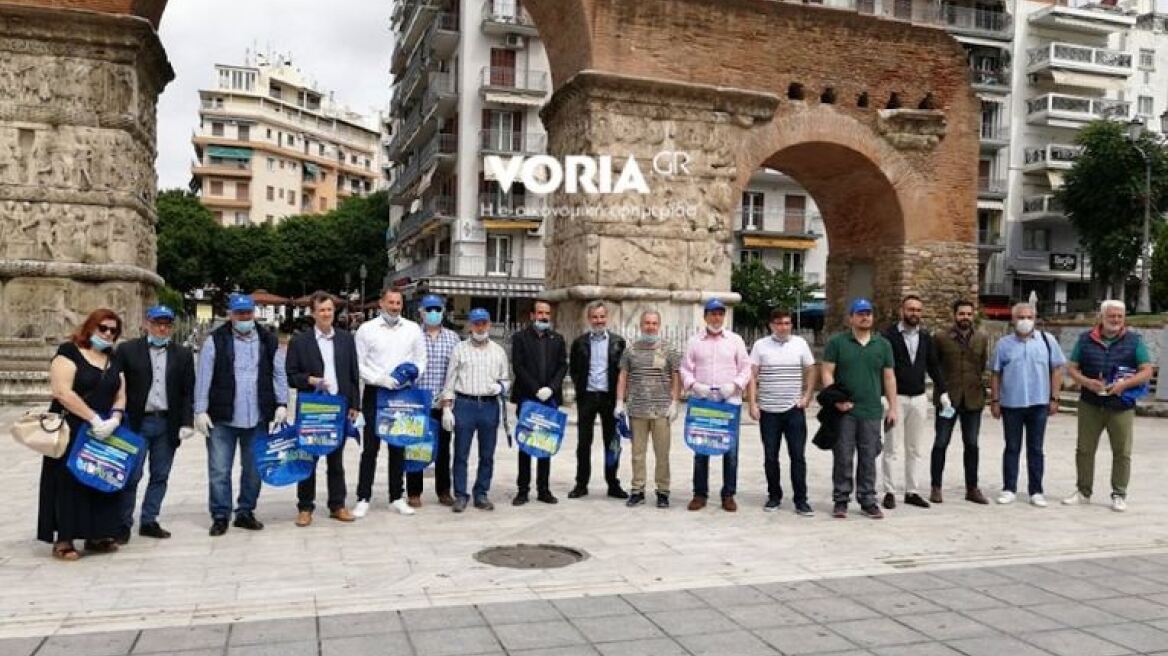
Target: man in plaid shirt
<point x="440" y="343"/>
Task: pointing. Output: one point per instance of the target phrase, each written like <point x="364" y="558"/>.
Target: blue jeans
<point x="1032" y="419"/>
<point x="701" y="475"/>
<point x="160" y="452"/>
<point x="220" y="456"/>
<point x="772" y="426"/>
<point x="471" y="417"/>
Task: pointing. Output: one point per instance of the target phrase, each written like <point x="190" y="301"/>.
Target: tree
<point x="1103" y="196"/>
<point x="187" y="234"/>
<point x="1160" y="270"/>
<point x="764" y="289"/>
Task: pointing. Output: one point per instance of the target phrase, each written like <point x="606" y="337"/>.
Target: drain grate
<point x="530" y="556"/>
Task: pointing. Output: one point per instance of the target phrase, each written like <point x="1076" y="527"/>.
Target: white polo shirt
<point x="780" y="371"/>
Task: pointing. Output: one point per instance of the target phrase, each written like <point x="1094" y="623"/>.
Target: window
<point x="244" y="133"/>
<point x="991" y="119"/>
<point x="503" y="131"/>
<point x="320" y="149"/>
<point x="269" y="219"/>
<point x="747" y="254"/>
<point x="498" y="254"/>
<point x="752" y="210"/>
<point x="274" y="90"/>
<point x="793" y="262"/>
<point x="241" y="219"/>
<point x="795" y="214"/>
<point x="216" y="187"/>
<point x="502" y="67"/>
<point x="242" y="189"/>
<point x="291" y="140"/>
<point x="1147" y="59"/>
<point x="1036" y="239"/>
<point x="281" y="193"/>
<point x="269" y="134"/>
<point x="281" y="164"/>
<point x="271" y="163"/>
<point x="216" y="129"/>
<point x="323" y="204"/>
<point x="1144" y="106"/>
<point x="271" y="193"/>
<point x="291" y="197"/>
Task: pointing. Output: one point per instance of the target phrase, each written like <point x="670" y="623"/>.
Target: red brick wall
<point x="148" y="9"/>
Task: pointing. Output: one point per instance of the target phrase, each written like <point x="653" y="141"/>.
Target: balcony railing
<point x="1077" y="107"/>
<point x="792" y="222"/>
<point x="434" y="207"/>
<point x="477" y="265"/>
<point x="506" y="15"/>
<point x="992" y="132"/>
<point x="991" y="185"/>
<point x="514" y="79"/>
<point x="975" y="20"/>
<point x="1084" y="58"/>
<point x="439" y="265"/>
<point x="507" y="141"/>
<point x="990" y="77"/>
<point x="1053" y="155"/>
<point x="990" y="238"/>
<point x="406" y="176"/>
<point x="509" y="206"/>
<point x="442" y="144"/>
<point x="1046" y="204"/>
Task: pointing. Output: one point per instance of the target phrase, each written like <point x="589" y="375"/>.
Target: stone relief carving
<point x="70" y="84"/>
<point x="81" y="158"/>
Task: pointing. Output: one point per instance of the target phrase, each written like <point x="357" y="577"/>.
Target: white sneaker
<point x="361" y="509"/>
<point x="1118" y="503"/>
<point x="1037" y="500"/>
<point x="402" y="507"/>
<point x="1006" y="497"/>
<point x="1076" y="499"/>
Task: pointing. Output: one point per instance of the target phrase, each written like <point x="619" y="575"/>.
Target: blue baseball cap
<point x="860" y="305"/>
<point x="240" y="303"/>
<point x="432" y="301"/>
<point x="714" y="304"/>
<point x="479" y="314"/>
<point x="159" y="312"/>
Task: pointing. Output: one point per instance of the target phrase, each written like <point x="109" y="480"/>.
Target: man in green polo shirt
<point x="861" y="361"/>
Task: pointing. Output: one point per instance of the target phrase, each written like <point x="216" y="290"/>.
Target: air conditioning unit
<point x="515" y="41"/>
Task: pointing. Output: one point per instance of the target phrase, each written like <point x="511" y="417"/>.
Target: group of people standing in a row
<point x="874" y="399"/>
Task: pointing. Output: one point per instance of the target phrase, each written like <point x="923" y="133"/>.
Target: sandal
<point x="65" y="552"/>
<point x="102" y="546"/>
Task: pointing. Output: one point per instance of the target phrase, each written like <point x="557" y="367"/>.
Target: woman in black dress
<point x="89" y="388"/>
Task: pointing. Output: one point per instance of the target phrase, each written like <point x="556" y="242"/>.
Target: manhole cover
<point x="530" y="556"/>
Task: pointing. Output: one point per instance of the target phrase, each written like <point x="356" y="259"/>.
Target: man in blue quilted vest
<point x="1111" y="364"/>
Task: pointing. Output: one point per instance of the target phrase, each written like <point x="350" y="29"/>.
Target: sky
<point x="345" y="45"/>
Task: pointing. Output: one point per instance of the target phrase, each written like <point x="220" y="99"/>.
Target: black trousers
<point x="442" y="458"/>
<point x="306" y="489"/>
<point x="371" y="448"/>
<point x="543" y="468"/>
<point x="588" y="407"/>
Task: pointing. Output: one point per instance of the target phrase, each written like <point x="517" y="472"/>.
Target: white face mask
<point x="1024" y="326"/>
<point x="390" y="319"/>
<point x="714" y="331"/>
<point x="480" y="337"/>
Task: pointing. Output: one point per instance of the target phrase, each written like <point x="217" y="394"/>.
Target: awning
<point x="503" y="288"/>
<point x="1089" y="81"/>
<point x="978" y="41"/>
<point x="1055" y="178"/>
<point x="504" y="98"/>
<point x="505" y="224"/>
<point x="762" y="241"/>
<point x="312" y="168"/>
<point x="224" y="152"/>
<point x="991" y="205"/>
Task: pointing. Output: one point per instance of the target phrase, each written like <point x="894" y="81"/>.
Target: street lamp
<point x="362" y="273"/>
<point x="1135" y="130"/>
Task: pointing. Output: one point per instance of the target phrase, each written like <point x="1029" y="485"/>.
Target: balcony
<point x="990" y="187"/>
<point x="441" y="151"/>
<point x="409" y="85"/>
<point x="439" y="265"/>
<point x="1044" y="208"/>
<point x="501" y="17"/>
<point x="1096" y="20"/>
<point x="413" y="25"/>
<point x="406" y="177"/>
<point x="973" y="21"/>
<point x="435" y="211"/>
<point x="1056" y="59"/>
<point x="441" y="98"/>
<point x="991" y="80"/>
<point x="993" y="137"/>
<point x="1062" y="110"/>
<point x="222" y="169"/>
<point x="507" y="142"/>
<point x="514" y="86"/>
<point x="491" y="266"/>
<point x="442" y="36"/>
<point x="1051" y="157"/>
<point x="404" y="137"/>
<point x="990" y="240"/>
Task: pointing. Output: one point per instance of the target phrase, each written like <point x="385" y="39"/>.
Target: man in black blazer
<point x="324" y="358"/>
<point x="539" y="361"/>
<point x="160" y="391"/>
<point x="594" y="363"/>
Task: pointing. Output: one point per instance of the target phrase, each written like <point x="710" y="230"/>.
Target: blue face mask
<point x="157" y="341"/>
<point x="432" y="317"/>
<point x="244" y="327"/>
<point x="541" y="326"/>
<point x="100" y="343"/>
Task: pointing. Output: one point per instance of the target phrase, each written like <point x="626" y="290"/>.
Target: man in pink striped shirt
<point x="716" y="366"/>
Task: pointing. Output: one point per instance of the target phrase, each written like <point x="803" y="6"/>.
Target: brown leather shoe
<point x="446" y="499"/>
<point x="697" y="503"/>
<point x="935" y="495"/>
<point x="729" y="505"/>
<point x="974" y="494"/>
<point x="415" y="502"/>
<point x="342" y="515"/>
<point x="303" y="518"/>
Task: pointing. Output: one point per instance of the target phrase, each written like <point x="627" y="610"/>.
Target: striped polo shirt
<point x="780" y="371"/>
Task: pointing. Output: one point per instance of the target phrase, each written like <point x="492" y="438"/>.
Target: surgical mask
<point x="480" y="337"/>
<point x="650" y="339"/>
<point x="1024" y="326"/>
<point x="157" y="341"/>
<point x="100" y="343"/>
<point x="541" y="325"/>
<point x="714" y="331"/>
<point x="598" y="331"/>
<point x="244" y="326"/>
<point x="781" y="340"/>
<point x="390" y="319"/>
<point x="432" y="317"/>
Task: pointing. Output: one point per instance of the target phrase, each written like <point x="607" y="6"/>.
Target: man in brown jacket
<point x="964" y="353"/>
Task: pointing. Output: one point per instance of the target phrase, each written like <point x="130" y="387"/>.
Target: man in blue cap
<point x="861" y="360"/>
<point x="160" y="387"/>
<point x="241" y="387"/>
<point x="440" y="343"/>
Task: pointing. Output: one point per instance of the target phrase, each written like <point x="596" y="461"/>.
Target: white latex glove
<point x="945" y="402"/>
<point x="448" y="419"/>
<point x="185" y="433"/>
<point x="203" y="424"/>
<point x="543" y="394"/>
<point x="727" y="390"/>
<point x="281" y="416"/>
<point x="386" y="382"/>
<point x="330" y="386"/>
<point x="671" y="413"/>
<point x="496" y="388"/>
<point x="620" y="409"/>
<point x="103" y="428"/>
<point x="884" y="403"/>
<point x="701" y="390"/>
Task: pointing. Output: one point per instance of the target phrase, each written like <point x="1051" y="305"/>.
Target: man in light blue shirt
<point x="1027" y="374"/>
<point x="594" y="364"/>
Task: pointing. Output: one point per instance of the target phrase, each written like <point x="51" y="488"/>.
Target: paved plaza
<point x="995" y="580"/>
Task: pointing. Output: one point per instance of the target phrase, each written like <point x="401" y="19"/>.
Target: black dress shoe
<point x="577" y="492"/>
<point x="617" y="493"/>
<point x="123" y="537"/>
<point x="519" y="499"/>
<point x="637" y="499"/>
<point x="218" y="527"/>
<point x="249" y="522"/>
<point x="662" y="500"/>
<point x="916" y="500"/>
<point x="153" y="530"/>
<point x="547" y="497"/>
<point x="890" y="501"/>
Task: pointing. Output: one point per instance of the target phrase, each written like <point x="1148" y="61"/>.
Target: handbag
<point x="43" y="432"/>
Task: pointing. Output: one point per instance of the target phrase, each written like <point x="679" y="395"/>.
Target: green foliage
<point x="172" y="298"/>
<point x="1159" y="287"/>
<point x="1103" y="195"/>
<point x="764" y="289"/>
<point x="187" y="234"/>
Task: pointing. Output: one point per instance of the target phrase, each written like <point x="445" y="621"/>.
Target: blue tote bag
<point x="419" y="455"/>
<point x="106" y="465"/>
<point x="279" y="458"/>
<point x="711" y="427"/>
<point x="540" y="429"/>
<point x="402" y="415"/>
<point x="320" y="422"/>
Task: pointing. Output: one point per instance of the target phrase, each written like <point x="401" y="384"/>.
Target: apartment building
<point x="469" y="80"/>
<point x="779" y="224"/>
<point x="270" y="145"/>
